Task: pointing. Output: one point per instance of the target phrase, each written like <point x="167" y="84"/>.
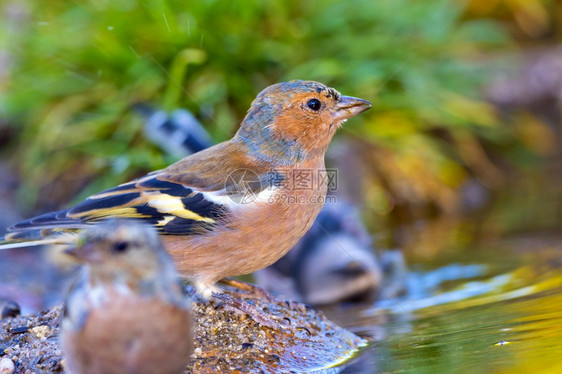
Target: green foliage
<point x="79" y="66"/>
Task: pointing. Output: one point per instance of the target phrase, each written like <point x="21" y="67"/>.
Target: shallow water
<point x="494" y="310"/>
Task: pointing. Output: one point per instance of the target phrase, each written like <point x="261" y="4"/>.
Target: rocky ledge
<point x="225" y="340"/>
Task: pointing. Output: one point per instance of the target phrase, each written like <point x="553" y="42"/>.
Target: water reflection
<point x="486" y="317"/>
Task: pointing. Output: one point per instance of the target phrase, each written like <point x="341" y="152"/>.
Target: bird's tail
<point x="34" y="238"/>
<point x="12" y="245"/>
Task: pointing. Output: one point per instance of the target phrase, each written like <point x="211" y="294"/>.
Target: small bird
<point x="126" y="312"/>
<point x="233" y="208"/>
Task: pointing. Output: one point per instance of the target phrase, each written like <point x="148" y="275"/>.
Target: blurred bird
<point x="126" y="312"/>
<point x="179" y="133"/>
<point x="334" y="262"/>
<point x="233" y="208"/>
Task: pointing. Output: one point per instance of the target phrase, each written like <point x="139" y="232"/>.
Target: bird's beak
<point x="349" y="106"/>
<point x="83" y="253"/>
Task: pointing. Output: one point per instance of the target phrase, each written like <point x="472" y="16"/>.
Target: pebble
<point x="11" y="310"/>
<point x="41" y="331"/>
<point x="6" y="366"/>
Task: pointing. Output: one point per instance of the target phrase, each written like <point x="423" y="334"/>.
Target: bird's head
<point x="295" y="121"/>
<point x="122" y="249"/>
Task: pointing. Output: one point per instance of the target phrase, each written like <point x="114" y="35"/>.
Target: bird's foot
<point x="251" y="289"/>
<point x="242" y="306"/>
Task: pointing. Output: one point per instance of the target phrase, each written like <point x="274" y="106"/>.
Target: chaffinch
<point x="333" y="262"/>
<point x="126" y="311"/>
<point x="233" y="208"/>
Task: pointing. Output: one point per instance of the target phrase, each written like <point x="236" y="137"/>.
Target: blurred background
<point x="458" y="162"/>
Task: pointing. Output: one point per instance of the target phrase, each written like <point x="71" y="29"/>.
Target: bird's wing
<point x="174" y="208"/>
<point x="191" y="197"/>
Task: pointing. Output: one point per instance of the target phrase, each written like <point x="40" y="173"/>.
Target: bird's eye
<point x="120" y="246"/>
<point x="314" y="104"/>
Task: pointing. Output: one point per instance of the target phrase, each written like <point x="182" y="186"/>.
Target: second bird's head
<point x="122" y="249"/>
<point x="294" y="121"/>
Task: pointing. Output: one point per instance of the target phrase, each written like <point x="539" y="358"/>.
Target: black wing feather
<point x="133" y="201"/>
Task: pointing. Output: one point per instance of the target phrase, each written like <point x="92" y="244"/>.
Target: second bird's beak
<point x="83" y="253"/>
<point x="349" y="106"/>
